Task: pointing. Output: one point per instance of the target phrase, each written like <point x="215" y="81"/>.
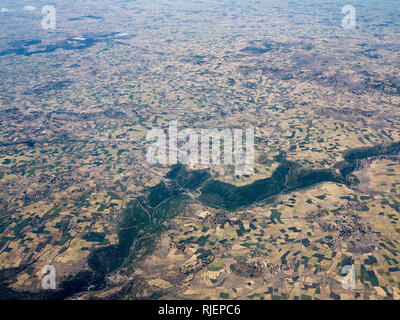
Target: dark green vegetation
<point x="83" y="281"/>
<point x="24" y="48"/>
<point x="139" y="227"/>
<point x="134" y="220"/>
<point x="260" y="47"/>
<point x="144" y="216"/>
<point x="288" y="177"/>
<point x="351" y="157"/>
<point x="85" y="17"/>
<point x="141" y="224"/>
<point x="190" y="180"/>
<point x="143" y="220"/>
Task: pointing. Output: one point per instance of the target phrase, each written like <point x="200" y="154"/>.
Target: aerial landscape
<point x="310" y="89"/>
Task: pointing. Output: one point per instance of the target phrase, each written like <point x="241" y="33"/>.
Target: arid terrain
<point x="77" y="192"/>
